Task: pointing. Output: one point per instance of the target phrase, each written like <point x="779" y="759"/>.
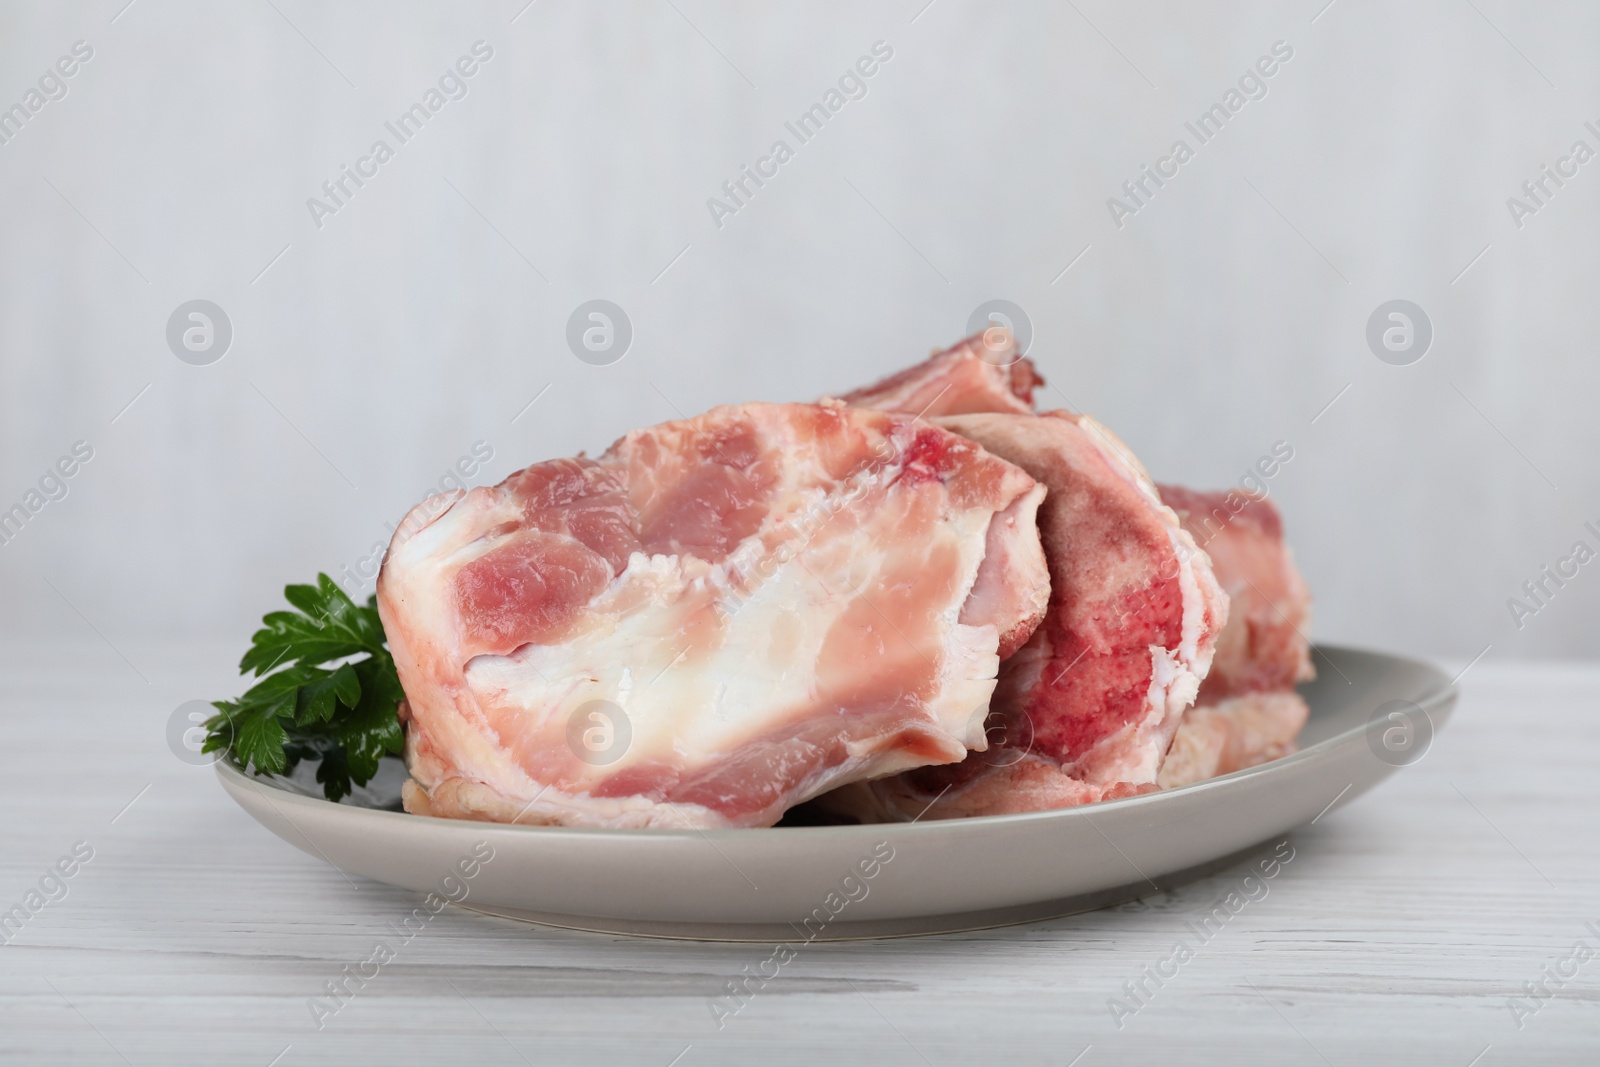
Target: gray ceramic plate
<point x="1370" y="714"/>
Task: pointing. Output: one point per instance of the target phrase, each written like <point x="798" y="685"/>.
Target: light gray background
<point x="1223" y="317"/>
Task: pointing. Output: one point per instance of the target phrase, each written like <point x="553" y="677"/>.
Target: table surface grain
<point x="1398" y="934"/>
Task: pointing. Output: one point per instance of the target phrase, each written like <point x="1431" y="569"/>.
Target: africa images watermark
<point x="354" y="977"/>
<point x="452" y="85"/>
<point x="1536" y="192"/>
<point x="1542" y="588"/>
<point x="1252" y="86"/>
<point x="1558" y="972"/>
<point x="54" y="485"/>
<point x="52" y="86"/>
<point x="1253" y="487"/>
<point x="355" y="579"/>
<point x="52" y="888"/>
<point x="852" y="85"/>
<point x="853" y="888"/>
<point x="1252" y="889"/>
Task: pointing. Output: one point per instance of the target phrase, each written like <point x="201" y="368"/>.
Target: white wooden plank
<point x="1396" y="934"/>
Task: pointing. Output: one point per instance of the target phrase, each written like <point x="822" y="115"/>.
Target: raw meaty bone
<point x="1233" y="734"/>
<point x="1088" y="708"/>
<point x="982" y="373"/>
<point x="1263" y="647"/>
<point x="1248" y="711"/>
<point x="713" y="621"/>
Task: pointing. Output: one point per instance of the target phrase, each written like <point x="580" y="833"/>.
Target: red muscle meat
<point x="716" y="619"/>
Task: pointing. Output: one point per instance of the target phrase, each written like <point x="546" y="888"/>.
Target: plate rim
<point x="1443" y="694"/>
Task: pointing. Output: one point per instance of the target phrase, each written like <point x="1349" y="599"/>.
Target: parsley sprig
<point x="328" y="692"/>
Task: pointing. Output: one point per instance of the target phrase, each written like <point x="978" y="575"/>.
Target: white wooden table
<point x="1397" y="934"/>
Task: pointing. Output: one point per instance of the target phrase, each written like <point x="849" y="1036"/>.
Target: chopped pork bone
<point x="1263" y="647"/>
<point x="761" y="603"/>
<point x="1248" y="711"/>
<point x="982" y="373"/>
<point x="1087" y="710"/>
<point x="1233" y="734"/>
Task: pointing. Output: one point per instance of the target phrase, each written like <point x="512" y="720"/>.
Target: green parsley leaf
<point x="327" y="626"/>
<point x="308" y="704"/>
